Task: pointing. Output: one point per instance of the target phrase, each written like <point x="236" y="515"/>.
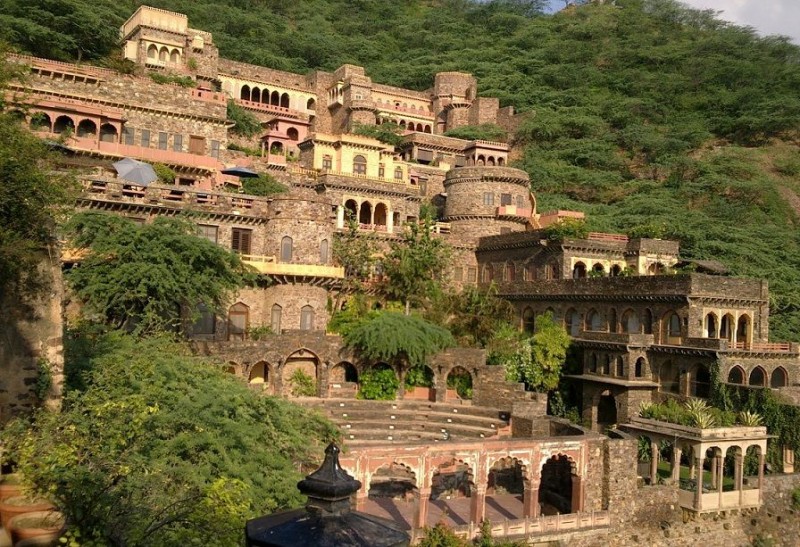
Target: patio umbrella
<point x="135" y="171"/>
<point x="241" y="172"/>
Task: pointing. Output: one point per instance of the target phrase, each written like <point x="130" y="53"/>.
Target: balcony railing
<point x="774" y="347"/>
<point x="268" y="265"/>
<point x="599" y="236"/>
<point x="513" y="211"/>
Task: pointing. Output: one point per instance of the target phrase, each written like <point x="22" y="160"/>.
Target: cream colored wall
<point x="298" y="100"/>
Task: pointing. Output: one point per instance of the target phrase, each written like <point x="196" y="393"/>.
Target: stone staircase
<point x="365" y="423"/>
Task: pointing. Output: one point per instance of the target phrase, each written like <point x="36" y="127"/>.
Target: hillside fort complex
<point x="645" y="333"/>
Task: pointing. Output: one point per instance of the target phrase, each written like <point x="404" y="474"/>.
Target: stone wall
<point x="31" y="327"/>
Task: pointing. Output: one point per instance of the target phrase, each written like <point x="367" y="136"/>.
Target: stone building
<point x="644" y="332"/>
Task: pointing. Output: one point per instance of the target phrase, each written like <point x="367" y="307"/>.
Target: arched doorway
<point x="711" y="326"/>
<point x="701" y="382"/>
<point x="459" y="384"/>
<point x="726" y="327"/>
<point x="343" y="380"/>
<point x="506" y="488"/>
<point x="556" y="488"/>
<point x="299" y="374"/>
<point x="259" y="375"/>
<point x="572" y="322"/>
<point x="351" y="209"/>
<point x="736" y="375"/>
<point x="63" y="124"/>
<point x="365" y="214"/>
<point x="779" y="378"/>
<point x="579" y="271"/>
<point x="379" y="382"/>
<point x="606" y="411"/>
<point x="453" y="479"/>
<point x="743" y="331"/>
<point x="394" y="481"/>
<point x="630" y="322"/>
<point x="419" y="383"/>
<point x="528" y="321"/>
<point x="380" y="215"/>
<point x="758" y="377"/>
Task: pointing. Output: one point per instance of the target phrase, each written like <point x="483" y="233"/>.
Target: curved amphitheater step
<point x="366" y="423"/>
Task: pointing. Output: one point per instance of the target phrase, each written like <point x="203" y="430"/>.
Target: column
<point x="761" y="475"/>
<point x="654" y="453"/>
<point x="738" y="471"/>
<point x="389" y="220"/>
<point x="478" y="504"/>
<point x="720" y="472"/>
<point x="788" y="460"/>
<point x="577" y="494"/>
<point x="698" y="491"/>
<point x="530" y="500"/>
<point x="714" y="476"/>
<point x="339" y="216"/>
<point x="676" y="463"/>
<point x="421" y="508"/>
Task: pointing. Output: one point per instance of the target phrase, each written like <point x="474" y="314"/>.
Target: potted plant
<point x="38" y="524"/>
<point x="19" y="505"/>
<point x="10" y="486"/>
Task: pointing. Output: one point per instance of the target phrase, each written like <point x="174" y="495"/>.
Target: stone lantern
<point x="327" y="519"/>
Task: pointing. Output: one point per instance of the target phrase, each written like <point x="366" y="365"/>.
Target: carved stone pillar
<point x="698" y="491"/>
<point x="788" y="460"/>
<point x="478" y="504"/>
<point x="676" y="463"/>
<point x="654" y="454"/>
<point x="421" y="508"/>
<point x="577" y="494"/>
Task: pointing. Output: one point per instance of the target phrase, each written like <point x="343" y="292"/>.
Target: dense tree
<point x="148" y="276"/>
<point x="390" y="336"/>
<point x="478" y="314"/>
<point x="262" y="185"/>
<point x="540" y="358"/>
<point x="163" y="449"/>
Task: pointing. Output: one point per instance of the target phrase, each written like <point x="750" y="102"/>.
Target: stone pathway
<point x="453" y="512"/>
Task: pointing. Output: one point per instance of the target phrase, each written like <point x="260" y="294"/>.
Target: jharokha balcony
<point x="513" y="211"/>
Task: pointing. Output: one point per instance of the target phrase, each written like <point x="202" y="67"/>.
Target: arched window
<point x="630" y="322"/>
<point x="648" y="321"/>
<point x="365" y="213"/>
<point x="174" y="57"/>
<point x="152" y="52"/>
<point x="351" y="209"/>
<point x="108" y="133"/>
<point x="359" y="165"/>
<point x="323" y="251"/>
<point x="238" y="321"/>
<point x="620" y="369"/>
<point x="594" y="321"/>
<point x="245" y="93"/>
<point x="275" y="318"/>
<point x="711" y="326"/>
<point x="616" y="270"/>
<point x="573" y="322"/>
<point x="551" y="271"/>
<point x="285" y="100"/>
<point x="486" y="274"/>
<point x="306" y="318"/>
<point x="726" y="327"/>
<point x="163" y="54"/>
<point x="779" y="378"/>
<point x="87" y="128"/>
<point x="598" y="269"/>
<point x="639" y="370"/>
<point x="311" y="104"/>
<point x="579" y="271"/>
<point x="511" y="272"/>
<point x="528" y="321"/>
<point x="529" y="273"/>
<point x="62" y="124"/>
<point x="275" y="99"/>
<point x="743" y="331"/>
<point x="265" y="96"/>
<point x="674" y="326"/>
<point x="398" y="173"/>
<point x="758" y="377"/>
<point x="736" y="375"/>
<point x="293" y="134"/>
<point x="612" y="320"/>
<point x="286" y="249"/>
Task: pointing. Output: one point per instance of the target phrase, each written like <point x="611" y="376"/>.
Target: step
<point x="411" y="416"/>
<point x="383" y="435"/>
<point x="455" y="430"/>
<point x="410" y="404"/>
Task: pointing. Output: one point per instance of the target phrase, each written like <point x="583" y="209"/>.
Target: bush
<point x="245" y="122"/>
<point x="483" y="132"/>
<point x="419" y="376"/>
<point x="183" y="81"/>
<point x="302" y="384"/>
<point x="378" y="384"/>
<point x="263" y="185"/>
<point x="796" y="498"/>
<point x="165" y="174"/>
<point x="259" y="332"/>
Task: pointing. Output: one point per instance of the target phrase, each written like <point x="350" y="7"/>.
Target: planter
<point x="420" y="393"/>
<point x="42" y="525"/>
<point x="10" y="486"/>
<point x="19" y="505"/>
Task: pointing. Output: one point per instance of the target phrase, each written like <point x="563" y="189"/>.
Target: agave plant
<point x="696" y="405"/>
<point x="750" y="419"/>
<point x="703" y="419"/>
<point x="644" y="408"/>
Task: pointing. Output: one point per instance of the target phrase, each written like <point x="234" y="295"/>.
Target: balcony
<point x="513" y="211"/>
<point x="268" y="265"/>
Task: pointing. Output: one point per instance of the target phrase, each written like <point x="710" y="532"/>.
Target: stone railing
<point x="513" y="211"/>
<point x="267" y="265"/>
<point x="264" y="107"/>
<point x="543" y="525"/>
<point x="599" y="236"/>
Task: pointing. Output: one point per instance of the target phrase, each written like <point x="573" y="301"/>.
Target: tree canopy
<point x="539" y="358"/>
<point x="148" y="276"/>
<point x="164" y="449"/>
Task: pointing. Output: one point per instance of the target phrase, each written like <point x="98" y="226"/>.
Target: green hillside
<point x="655" y="119"/>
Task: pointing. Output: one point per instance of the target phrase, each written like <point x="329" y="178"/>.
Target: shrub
<point x="164" y="173"/>
<point x="245" y="122"/>
<point x="259" y="332"/>
<point x="796" y="498"/>
<point x="419" y="376"/>
<point x="302" y="384"/>
<point x="378" y="384"/>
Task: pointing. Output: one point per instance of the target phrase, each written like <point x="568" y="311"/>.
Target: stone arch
<point x="572" y="322"/>
<point x="648" y="321"/>
<point x="640" y="367"/>
<point x="669" y="377"/>
<point x="501" y="161"/>
<point x="619" y="368"/>
<point x="365" y="213"/>
<point x="490" y="161"/>
<point x="511" y="272"/>
<point x="244" y="94"/>
<point x="612" y="320"/>
<point x="259" y="373"/>
<point x="311" y="104"/>
<point x="152" y="51"/>
<point x="86" y="128"/>
<point x="701" y="381"/>
<point x="656" y="268"/>
<point x="284" y="100"/>
<point x="779" y="378"/>
<point x="670" y="328"/>
<point x="630" y="322"/>
<point x="293" y="134"/>
<point x="616" y="270"/>
<point x="307" y="317"/>
<point x="551" y="271"/>
<point x="232" y="368"/>
<point x="758" y="377"/>
<point x="238" y="321"/>
<point x="63" y="124"/>
<point x="594" y="321"/>
<point x="163" y="54"/>
<point x="380" y="215"/>
<point x="286" y="249"/>
<point x="427" y="129"/>
<point x="459" y="384"/>
<point x="743" y="330"/>
<point x="275" y="99"/>
<point x="481" y="160"/>
<point x="606" y="410"/>
<point x="299" y="371"/>
<point x="506" y="475"/>
<point x="342" y="379"/>
<point x="174" y="56"/>
<point x="255" y="95"/>
<point x="453" y="478"/>
<point x="41" y="120"/>
<point x="393" y="480"/>
<point x="556" y="486"/>
<point x="108" y="133"/>
<point x="598" y="269"/>
<point x="324" y="251"/>
<point x="710" y="325"/>
<point x="579" y="270"/>
<point x="528" y="320"/>
<point x="351" y="208"/>
<point x="726" y="326"/>
<point x="736" y="375"/>
<point x="420" y="383"/>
